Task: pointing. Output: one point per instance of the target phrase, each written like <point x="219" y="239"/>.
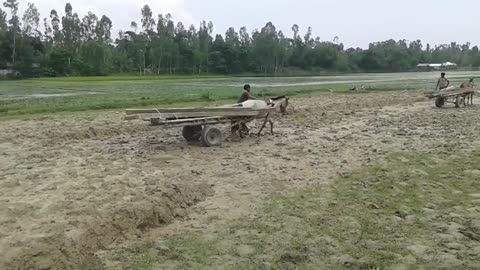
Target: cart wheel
<point x="192" y="133"/>
<point x="460" y="101"/>
<point x="439" y="102"/>
<point x="211" y="137"/>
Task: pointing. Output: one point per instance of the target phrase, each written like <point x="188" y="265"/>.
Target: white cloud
<point x="121" y="12"/>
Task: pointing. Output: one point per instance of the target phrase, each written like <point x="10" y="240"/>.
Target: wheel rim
<point x="211" y="137"/>
<point x="460" y="101"/>
<point x="214" y="137"/>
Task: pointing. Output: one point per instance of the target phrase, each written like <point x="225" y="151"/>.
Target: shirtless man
<point x="443" y="82"/>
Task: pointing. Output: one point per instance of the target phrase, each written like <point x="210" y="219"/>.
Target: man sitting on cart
<point x="246" y="94"/>
<point x="242" y="128"/>
<point x="443" y="82"/>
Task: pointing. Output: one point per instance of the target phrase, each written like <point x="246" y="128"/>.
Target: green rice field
<point x="70" y="94"/>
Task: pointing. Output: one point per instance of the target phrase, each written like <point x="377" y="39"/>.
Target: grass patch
<point x="370" y="219"/>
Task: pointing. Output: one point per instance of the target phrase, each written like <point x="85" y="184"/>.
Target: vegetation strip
<point x="410" y="211"/>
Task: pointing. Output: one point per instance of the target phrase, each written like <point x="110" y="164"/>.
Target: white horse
<point x="278" y="103"/>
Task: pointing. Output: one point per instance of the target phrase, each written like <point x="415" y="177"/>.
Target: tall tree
<point x="265" y="45"/>
<point x="103" y="30"/>
<point x="164" y="49"/>
<point x="71" y="28"/>
<point x="232" y="51"/>
<point x="31" y="21"/>
<point x="57" y="33"/>
<point x="14" y="25"/>
<point x="204" y="41"/>
<point x="3" y="20"/>
<point x="148" y="23"/>
<point x="217" y="61"/>
<point x="47" y="31"/>
<point x="134" y="26"/>
<point x="88" y="27"/>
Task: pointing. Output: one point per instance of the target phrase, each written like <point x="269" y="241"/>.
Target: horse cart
<point x="459" y="97"/>
<point x="200" y="124"/>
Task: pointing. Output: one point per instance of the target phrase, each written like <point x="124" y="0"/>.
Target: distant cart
<point x="198" y="124"/>
<point x="459" y="97"/>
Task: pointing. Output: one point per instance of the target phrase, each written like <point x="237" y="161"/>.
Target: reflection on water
<point x="17" y="97"/>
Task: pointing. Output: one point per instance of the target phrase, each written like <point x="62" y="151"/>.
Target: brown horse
<point x="468" y="96"/>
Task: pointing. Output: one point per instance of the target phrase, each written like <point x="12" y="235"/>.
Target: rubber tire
<point x="459" y="102"/>
<point x="211" y="136"/>
<point x="439" y="102"/>
<point x="192" y="133"/>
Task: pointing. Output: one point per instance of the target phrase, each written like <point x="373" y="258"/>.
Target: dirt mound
<point x="348" y="103"/>
<point x="57" y="129"/>
<point x="65" y="246"/>
<point x="91" y="132"/>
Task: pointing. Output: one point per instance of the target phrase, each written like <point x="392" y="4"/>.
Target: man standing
<point x="443" y="82"/>
<point x="246" y="94"/>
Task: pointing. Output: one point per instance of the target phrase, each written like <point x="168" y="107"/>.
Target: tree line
<point x="66" y="44"/>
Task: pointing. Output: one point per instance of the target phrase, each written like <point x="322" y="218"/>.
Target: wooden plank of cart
<point x="456" y="96"/>
<point x="198" y="124"/>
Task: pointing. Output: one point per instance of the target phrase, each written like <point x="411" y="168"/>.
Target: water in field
<point x="51" y="95"/>
<point x="34" y="96"/>
<point x="365" y="78"/>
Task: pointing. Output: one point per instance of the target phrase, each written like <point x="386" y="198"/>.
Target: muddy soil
<point x="90" y="184"/>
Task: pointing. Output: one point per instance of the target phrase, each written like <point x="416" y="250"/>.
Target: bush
<point x="207" y="96"/>
<point x="49" y="72"/>
<point x="14" y="75"/>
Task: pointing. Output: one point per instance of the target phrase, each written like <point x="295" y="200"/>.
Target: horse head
<point x="281" y="102"/>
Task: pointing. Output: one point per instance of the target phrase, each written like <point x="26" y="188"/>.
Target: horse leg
<point x="235" y="128"/>
<point x="283" y="109"/>
<point x="271" y="125"/>
<point x="267" y="118"/>
<point x="263" y="126"/>
<point x="245" y="128"/>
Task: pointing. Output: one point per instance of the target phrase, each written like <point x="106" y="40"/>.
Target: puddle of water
<point x="272" y="85"/>
<point x="12" y="97"/>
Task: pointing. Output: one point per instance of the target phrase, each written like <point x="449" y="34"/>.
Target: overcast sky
<point x="355" y="22"/>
